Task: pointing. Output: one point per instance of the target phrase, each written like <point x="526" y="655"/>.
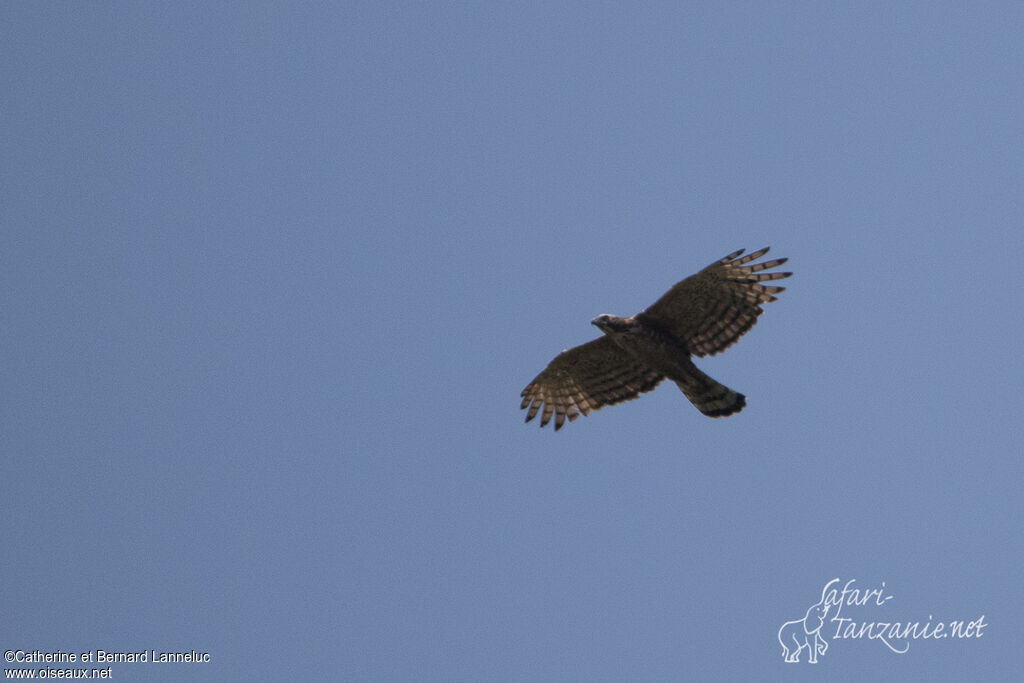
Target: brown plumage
<point x="703" y="315"/>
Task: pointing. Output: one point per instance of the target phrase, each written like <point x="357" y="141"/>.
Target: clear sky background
<point x="274" y="274"/>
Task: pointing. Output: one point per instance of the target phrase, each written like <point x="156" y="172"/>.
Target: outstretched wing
<point x="711" y="310"/>
<point x="586" y="378"/>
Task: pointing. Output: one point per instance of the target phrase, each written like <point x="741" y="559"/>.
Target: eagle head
<point x="613" y="324"/>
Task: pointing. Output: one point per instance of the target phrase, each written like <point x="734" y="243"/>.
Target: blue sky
<point x="274" y="276"/>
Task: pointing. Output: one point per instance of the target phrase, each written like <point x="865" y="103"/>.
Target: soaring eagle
<point x="703" y="315"/>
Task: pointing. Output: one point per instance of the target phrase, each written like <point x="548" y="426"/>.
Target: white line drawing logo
<point x="862" y="624"/>
<point x="796" y="635"/>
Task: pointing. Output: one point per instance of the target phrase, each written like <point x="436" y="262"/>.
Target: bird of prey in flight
<point x="703" y="315"/>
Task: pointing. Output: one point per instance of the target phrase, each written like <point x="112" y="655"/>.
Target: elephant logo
<point x="796" y="635"/>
